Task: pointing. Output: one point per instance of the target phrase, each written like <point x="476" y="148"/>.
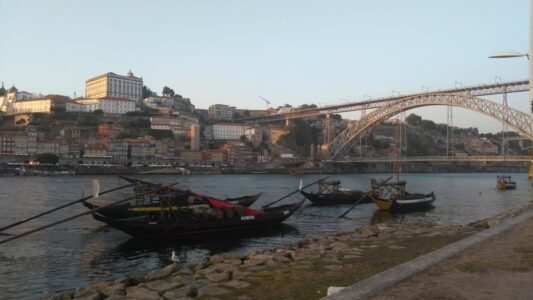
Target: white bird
<point x="174" y="257"/>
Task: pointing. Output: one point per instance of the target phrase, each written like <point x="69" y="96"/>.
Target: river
<point x="83" y="251"/>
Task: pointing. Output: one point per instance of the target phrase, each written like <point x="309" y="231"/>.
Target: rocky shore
<point x="300" y="271"/>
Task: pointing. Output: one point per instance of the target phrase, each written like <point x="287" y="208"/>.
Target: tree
<point x="168" y="92"/>
<point x="47" y="158"/>
<point x="147" y="92"/>
<point x="413" y="120"/>
<point x="246" y="113"/>
<point x="21" y="122"/>
<point x="98" y="112"/>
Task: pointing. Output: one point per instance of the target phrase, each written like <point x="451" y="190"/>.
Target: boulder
<point x="142" y="293"/>
<point x="216" y="259"/>
<point x="212" y="291"/>
<point x="181" y="293"/>
<point x="161" y="286"/>
<point x="493" y="222"/>
<point x="236" y="284"/>
<point x="218" y="277"/>
<point x="68" y="294"/>
<point x="184" y="271"/>
<point x="86" y="293"/>
<point x="117" y="289"/>
<point x="162" y="273"/>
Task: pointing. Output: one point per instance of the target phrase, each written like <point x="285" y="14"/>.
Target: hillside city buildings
<point x="114" y="125"/>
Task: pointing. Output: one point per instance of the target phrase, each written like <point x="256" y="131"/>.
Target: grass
<point x="310" y="281"/>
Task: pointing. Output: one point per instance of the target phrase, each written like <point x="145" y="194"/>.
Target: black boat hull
<point x="352" y="197"/>
<point x="144" y="227"/>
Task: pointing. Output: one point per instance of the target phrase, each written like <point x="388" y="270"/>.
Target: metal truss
<point x="516" y="119"/>
<point x="474" y="90"/>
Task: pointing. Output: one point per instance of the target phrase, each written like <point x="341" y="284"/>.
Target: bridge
<point x="383" y="108"/>
<point x="474" y="90"/>
<point x="481" y="158"/>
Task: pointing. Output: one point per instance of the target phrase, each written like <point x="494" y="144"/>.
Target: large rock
<point x="161" y="286"/>
<point x="142" y="293"/>
<point x="68" y="294"/>
<point x="219" y="268"/>
<point x="236" y="284"/>
<point x="87" y="293"/>
<point x="184" y="292"/>
<point x="163" y="273"/>
<point x="216" y="259"/>
<point x="258" y="260"/>
<point x="184" y="271"/>
<point x="117" y="289"/>
<point x="218" y="277"/>
<point x="212" y="290"/>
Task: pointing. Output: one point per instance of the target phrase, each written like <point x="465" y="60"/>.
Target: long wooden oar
<point x="86" y="213"/>
<point x="63" y="206"/>
<point x="294" y="192"/>
<point x="361" y="198"/>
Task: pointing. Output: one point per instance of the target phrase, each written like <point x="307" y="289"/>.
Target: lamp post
<point x="510" y="54"/>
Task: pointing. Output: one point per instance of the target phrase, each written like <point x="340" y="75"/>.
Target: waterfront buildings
<point x="113" y="85"/>
<point x="227" y="131"/>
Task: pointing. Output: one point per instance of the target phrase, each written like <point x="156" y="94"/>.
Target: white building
<point x="13" y="95"/>
<point x="40" y="105"/>
<point x="221" y="112"/>
<point x="178" y="125"/>
<point x="154" y="101"/>
<point x="109" y="105"/>
<point x="113" y="85"/>
<point x="226" y="131"/>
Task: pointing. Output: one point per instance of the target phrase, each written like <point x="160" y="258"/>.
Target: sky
<point x="290" y="52"/>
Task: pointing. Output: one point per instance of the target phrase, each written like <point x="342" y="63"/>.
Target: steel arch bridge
<point x="516" y="119"/>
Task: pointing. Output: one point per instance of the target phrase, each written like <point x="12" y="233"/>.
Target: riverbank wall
<point x="324" y="167"/>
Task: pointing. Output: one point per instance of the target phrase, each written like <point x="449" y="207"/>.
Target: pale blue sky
<point x="287" y="51"/>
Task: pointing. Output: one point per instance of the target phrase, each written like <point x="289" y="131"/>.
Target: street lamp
<point x="509" y="54"/>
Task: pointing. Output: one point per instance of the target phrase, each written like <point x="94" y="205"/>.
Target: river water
<point x="82" y="251"/>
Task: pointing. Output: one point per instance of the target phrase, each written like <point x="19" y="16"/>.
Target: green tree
<point x="168" y="92"/>
<point x="413" y="120"/>
<point x="98" y="112"/>
<point x="47" y="158"/>
<point x="147" y="92"/>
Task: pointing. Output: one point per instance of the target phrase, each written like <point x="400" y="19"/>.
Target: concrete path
<point x="491" y="246"/>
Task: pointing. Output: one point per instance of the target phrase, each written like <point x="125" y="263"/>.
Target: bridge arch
<point x="516" y="119"/>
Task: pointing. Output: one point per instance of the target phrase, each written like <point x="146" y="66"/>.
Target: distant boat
<point x="330" y="193"/>
<point x="505" y="183"/>
<point x="392" y="196"/>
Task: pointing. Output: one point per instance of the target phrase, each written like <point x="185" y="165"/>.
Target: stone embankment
<point x="300" y="271"/>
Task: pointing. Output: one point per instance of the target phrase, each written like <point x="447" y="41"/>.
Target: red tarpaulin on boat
<point x="221" y="204"/>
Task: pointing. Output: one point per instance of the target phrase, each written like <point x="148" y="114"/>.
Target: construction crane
<point x="267" y="102"/>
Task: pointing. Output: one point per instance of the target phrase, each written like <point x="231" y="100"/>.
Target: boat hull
<point x="352" y="197"/>
<point x="144" y="227"/>
<point x="423" y="202"/>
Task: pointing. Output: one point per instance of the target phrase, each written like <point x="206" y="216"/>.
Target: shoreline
<point x="299" y="271"/>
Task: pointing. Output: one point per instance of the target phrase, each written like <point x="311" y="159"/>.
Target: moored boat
<point x="392" y="196"/>
<point x="505" y="182"/>
<point x="199" y="220"/>
<point x="330" y="193"/>
<point x="159" y="202"/>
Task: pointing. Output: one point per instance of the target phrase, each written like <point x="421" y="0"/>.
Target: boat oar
<point x="86" y="213"/>
<point x="65" y="205"/>
<point x="361" y="198"/>
<point x="356" y="202"/>
<point x="294" y="192"/>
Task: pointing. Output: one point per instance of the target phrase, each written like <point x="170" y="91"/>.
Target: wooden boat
<point x="392" y="196"/>
<point x="330" y="193"/>
<point x="156" y="202"/>
<point x="199" y="220"/>
<point x="505" y="183"/>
